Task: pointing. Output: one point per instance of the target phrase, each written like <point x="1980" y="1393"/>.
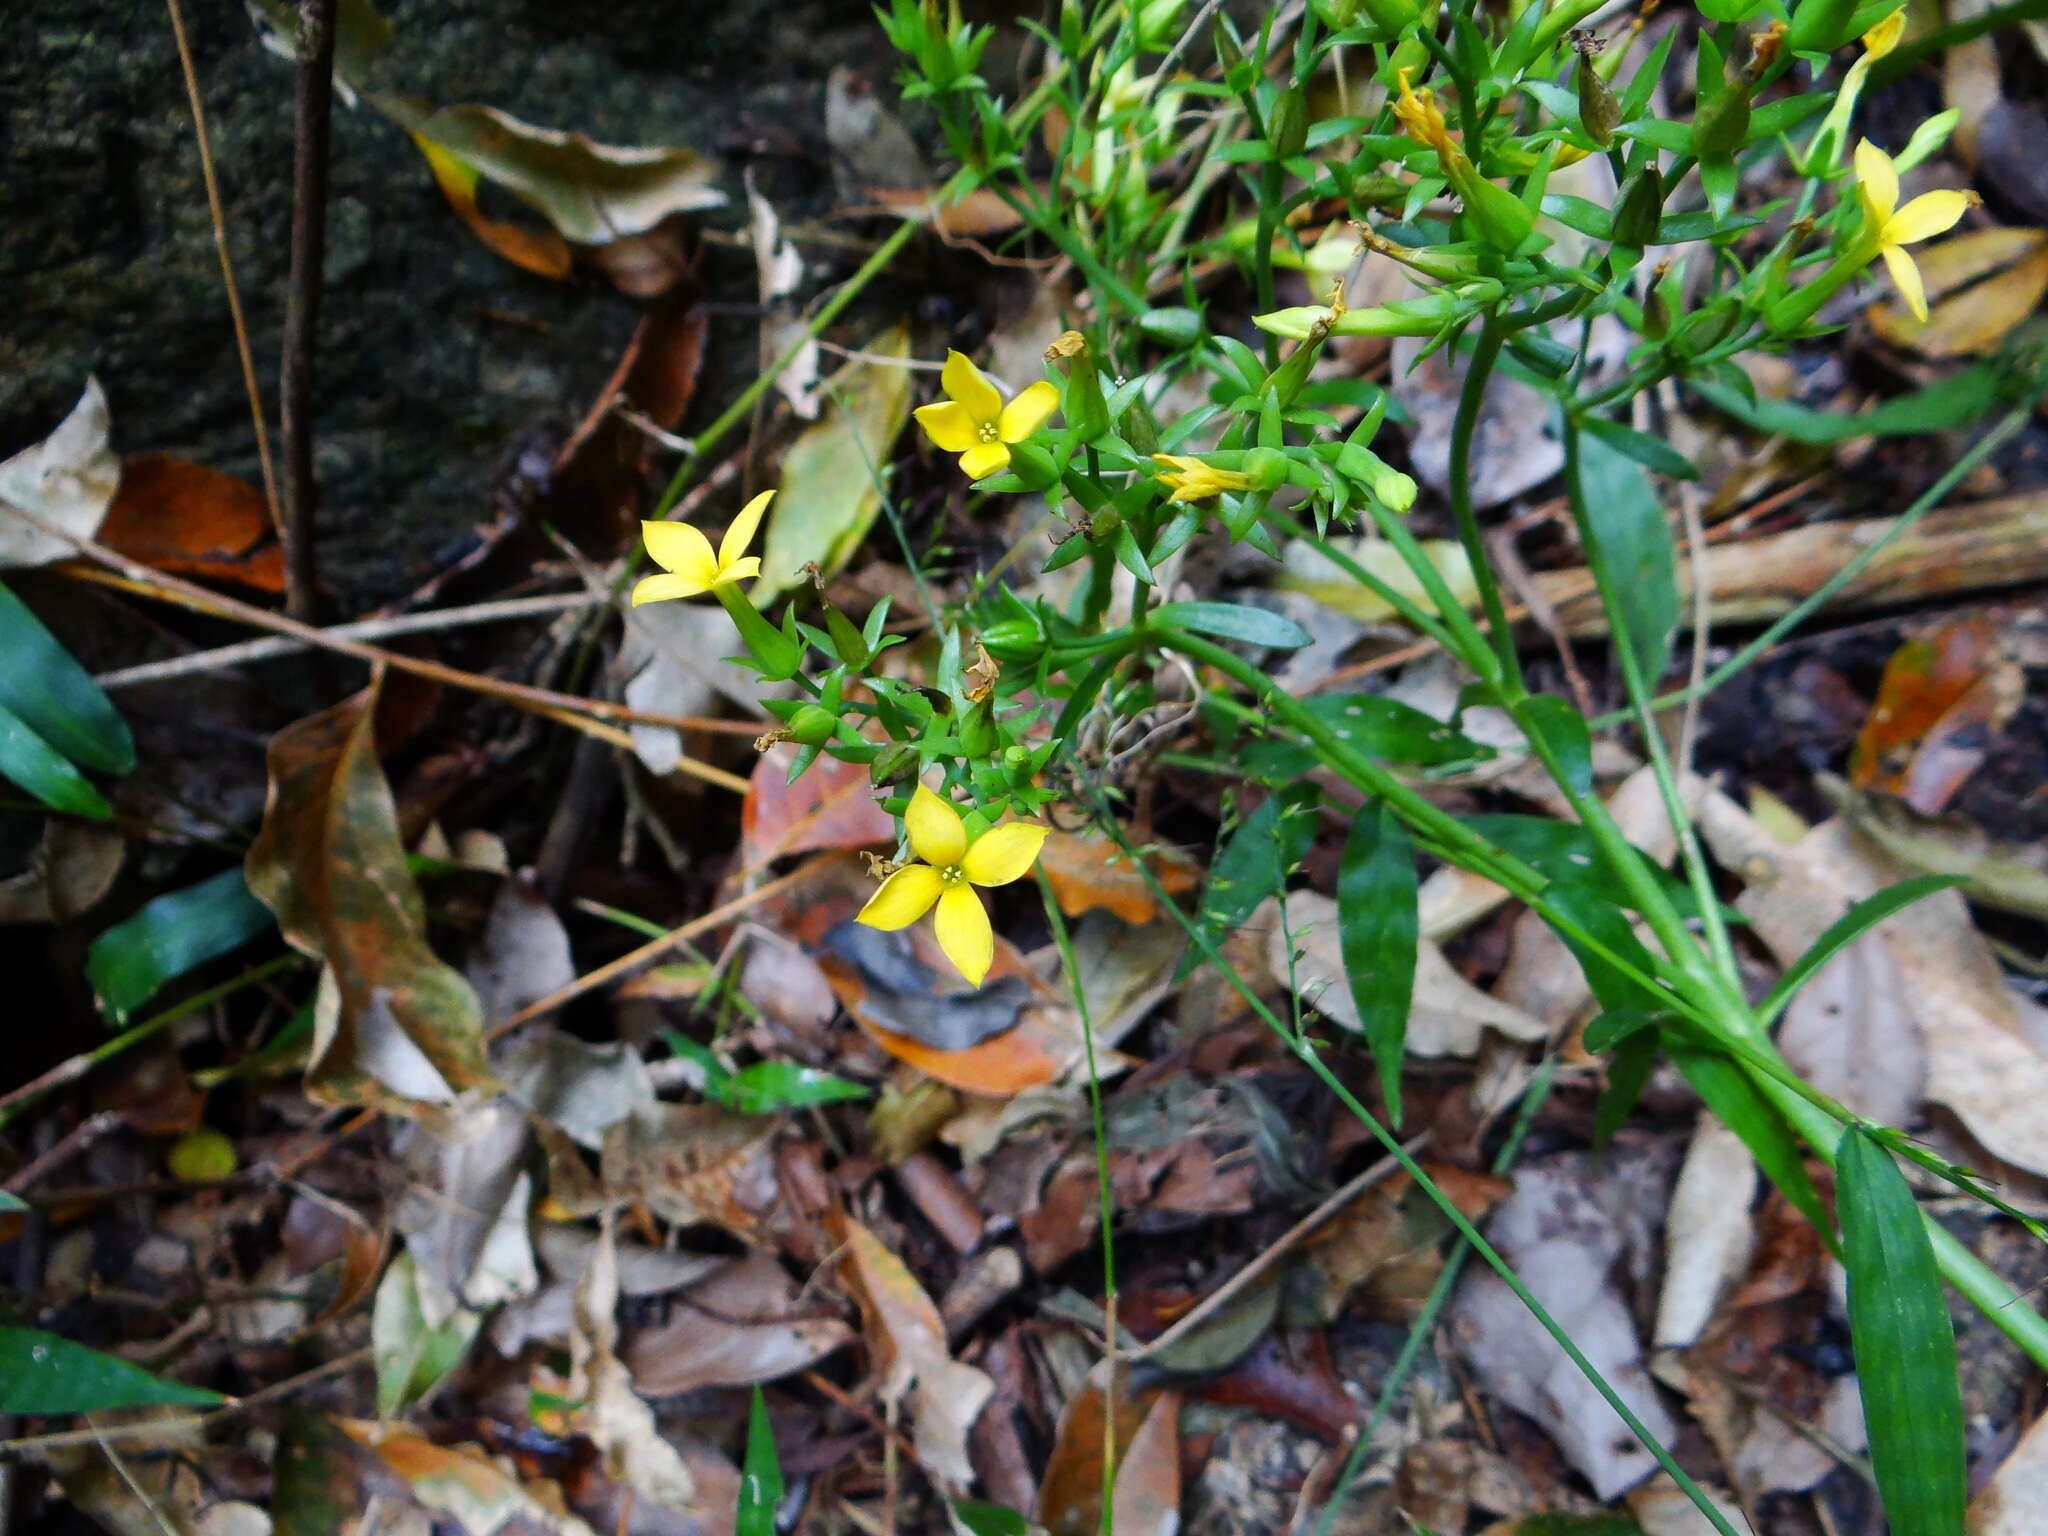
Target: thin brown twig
<point x="73" y="1142"/>
<point x="227" y="266"/>
<point x="649" y="952"/>
<point x="312" y="120"/>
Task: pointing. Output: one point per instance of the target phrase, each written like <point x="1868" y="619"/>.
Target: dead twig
<point x="227" y="266"/>
<point x="73" y="1142"/>
<point x="312" y="118"/>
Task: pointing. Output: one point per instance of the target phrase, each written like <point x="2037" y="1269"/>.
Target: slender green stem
<point x="1471" y="399"/>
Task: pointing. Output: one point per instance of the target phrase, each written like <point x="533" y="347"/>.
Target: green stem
<point x="1478" y="371"/>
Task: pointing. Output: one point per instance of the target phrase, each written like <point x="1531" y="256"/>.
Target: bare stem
<point x="311" y="121"/>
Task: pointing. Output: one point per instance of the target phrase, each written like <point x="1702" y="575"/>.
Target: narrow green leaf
<point x="55" y="696"/>
<point x="1634" y="543"/>
<point x="9" y="1201"/>
<point x="1566" y="851"/>
<point x="1373" y="726"/>
<point x="47" y="1373"/>
<point x="1379" y="928"/>
<point x="1953" y="403"/>
<point x="761" y="1476"/>
<point x="1592" y="914"/>
<point x="1650" y="452"/>
<point x="1615" y="1025"/>
<point x="44" y="772"/>
<point x="176" y="933"/>
<point x="1905" y="1346"/>
<point x="1627" y="1071"/>
<point x="1234" y="621"/>
<point x="1564" y="728"/>
<point x="767" y="1086"/>
<point x="1845" y="930"/>
<point x="1733" y="1098"/>
<point x="990" y="1519"/>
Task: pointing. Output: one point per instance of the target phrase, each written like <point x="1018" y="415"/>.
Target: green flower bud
<point x="1266" y="468"/>
<point x="1287" y="130"/>
<point x="978" y="731"/>
<point x="1085" y="409"/>
<point x="813" y="725"/>
<point x="1641" y="209"/>
<point x="892" y="765"/>
<point x="1031" y="462"/>
<point x="1018" y="639"/>
<point x="1104" y="525"/>
<point x="1497" y="216"/>
<point x="1386" y="484"/>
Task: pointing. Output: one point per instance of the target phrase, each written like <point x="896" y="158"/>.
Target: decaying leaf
<point x="1447" y="1013"/>
<point x="907" y="1343"/>
<point x="1070" y="1495"/>
<point x="1146" y="1501"/>
<point x="1089" y="871"/>
<point x="2011" y="1503"/>
<point x="1314" y="575"/>
<point x="414" y="1352"/>
<point x="1980" y="286"/>
<point x="545" y="253"/>
<point x="565" y="1253"/>
<point x="466" y="1207"/>
<point x="581" y="1088"/>
<point x="480" y="1492"/>
<point x="522" y="954"/>
<point x="1940" y="705"/>
<point x="1709" y="1232"/>
<point x="832" y="474"/>
<point x="395" y="1019"/>
<point x="739" y="1325"/>
<point x="830" y="804"/>
<point x="696" y="1163"/>
<point x="1565" y="1232"/>
<point x="184" y="517"/>
<point x="68" y="480"/>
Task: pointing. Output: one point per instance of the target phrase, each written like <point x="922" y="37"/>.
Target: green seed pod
<point x="1722" y="126"/>
<point x="892" y="765"/>
<point x="1017" y="639"/>
<point x="1641" y="209"/>
<point x="1386" y="484"/>
<point x="1599" y="112"/>
<point x="1104" y="525"/>
<point x="1288" y="127"/>
<point x="1497" y="216"/>
<point x="813" y="725"/>
<point x="1266" y="468"/>
<point x="978" y="731"/>
<point x="1085" y="409"/>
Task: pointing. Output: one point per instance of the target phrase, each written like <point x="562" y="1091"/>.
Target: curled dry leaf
<point x="1447" y="1013"/>
<point x="393" y="1018"/>
<point x="542" y="252"/>
<point x="737" y="1326"/>
<point x="68" y="480"/>
<point x="907" y="1343"/>
<point x="566" y="1252"/>
<point x="1939" y="707"/>
<point x="694" y="1163"/>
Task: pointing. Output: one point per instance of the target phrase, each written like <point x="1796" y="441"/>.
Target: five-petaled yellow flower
<point x="1191" y="479"/>
<point x="1891" y="228"/>
<point x="975" y="423"/>
<point x="685" y="556"/>
<point x="952" y="865"/>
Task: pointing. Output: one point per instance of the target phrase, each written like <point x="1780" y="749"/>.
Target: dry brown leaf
<point x="907" y="1343"/>
<point x="693" y="1163"/>
<point x="68" y="480"/>
<point x="539" y="251"/>
<point x="2012" y="1502"/>
<point x="1071" y="1492"/>
<point x="482" y="1493"/>
<point x="197" y="521"/>
<point x="1979" y="287"/>
<point x="1708" y="1230"/>
<point x="831" y="805"/>
<point x="1147" y="1497"/>
<point x="1087" y="871"/>
<point x="737" y="1326"/>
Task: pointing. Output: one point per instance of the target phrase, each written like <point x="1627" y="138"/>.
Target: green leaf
<point x="1627" y="1071"/>
<point x="47" y="1373"/>
<point x="1566" y="732"/>
<point x="55" y="696"/>
<point x="767" y="1086"/>
<point x="174" y="934"/>
<point x="1373" y="726"/>
<point x="1379" y="928"/>
<point x="1650" y="452"/>
<point x="1592" y="914"/>
<point x="1258" y="857"/>
<point x="44" y="772"/>
<point x="990" y="1519"/>
<point x="1567" y="852"/>
<point x="411" y="1357"/>
<point x="761" y="1476"/>
<point x="9" y="1201"/>
<point x="1234" y="621"/>
<point x="1905" y="1346"/>
<point x="1953" y="403"/>
<point x="1634" y="542"/>
<point x="1845" y="930"/>
<point x="1732" y="1097"/>
<point x="1614" y="1026"/>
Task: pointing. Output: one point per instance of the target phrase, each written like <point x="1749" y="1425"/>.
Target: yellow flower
<point x="684" y="554"/>
<point x="1890" y="228"/>
<point x="1421" y="116"/>
<point x="1193" y="480"/>
<point x="952" y="865"/>
<point x="975" y="423"/>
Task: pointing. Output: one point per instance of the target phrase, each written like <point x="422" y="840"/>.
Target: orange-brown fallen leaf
<point x="1087" y="870"/>
<point x="831" y="805"/>
<point x="183" y="517"/>
<point x="1942" y="699"/>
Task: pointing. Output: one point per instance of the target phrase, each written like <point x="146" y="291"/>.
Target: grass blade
<point x="1845" y="930"/>
<point x="1905" y="1346"/>
<point x="761" y="1477"/>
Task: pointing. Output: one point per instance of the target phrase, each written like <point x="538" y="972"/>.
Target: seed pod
<point x="1598" y="109"/>
<point x="1641" y="209"/>
<point x="812" y="726"/>
<point x="1085" y="409"/>
<point x="1720" y="129"/>
<point x="892" y="765"/>
<point x="1018" y="639"/>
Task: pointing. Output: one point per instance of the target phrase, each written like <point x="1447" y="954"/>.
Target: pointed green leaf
<point x="44" y="772"/>
<point x="1379" y="928"/>
<point x="1234" y="621"/>
<point x="55" y="696"/>
<point x="1735" y="1100"/>
<point x="1627" y="1071"/>
<point x="1845" y="930"/>
<point x="1634" y="542"/>
<point x="761" y="1477"/>
<point x="176" y="933"/>
<point x="49" y="1374"/>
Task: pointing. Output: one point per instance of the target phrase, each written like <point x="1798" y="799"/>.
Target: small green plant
<point x="1455" y="121"/>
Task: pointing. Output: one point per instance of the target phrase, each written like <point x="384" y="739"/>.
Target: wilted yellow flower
<point x="1192" y="479"/>
<point x="976" y="424"/>
<point x="1891" y="228"/>
<point x="1421" y="116"/>
<point x="686" y="558"/>
<point x="951" y="866"/>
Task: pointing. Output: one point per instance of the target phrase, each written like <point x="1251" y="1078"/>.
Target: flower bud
<point x="1085" y="409"/>
<point x="1018" y="639"/>
<point x="1104" y="525"/>
<point x="1599" y="112"/>
<point x="1641" y="209"/>
<point x="1386" y="484"/>
<point x="892" y="765"/>
<point x="1265" y="468"/>
<point x="812" y="726"/>
<point x="1287" y="128"/>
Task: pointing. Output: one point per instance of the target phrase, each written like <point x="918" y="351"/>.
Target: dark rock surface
<point x="436" y="356"/>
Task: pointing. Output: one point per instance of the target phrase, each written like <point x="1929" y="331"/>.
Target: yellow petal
<point x="655" y="589"/>
<point x="1026" y="414"/>
<point x="965" y="383"/>
<point x="1907" y="277"/>
<point x="936" y="833"/>
<point x="1877" y="180"/>
<point x="680" y="548"/>
<point x="964" y="933"/>
<point x="1180" y="461"/>
<point x="949" y="425"/>
<point x="1884" y="37"/>
<point x="741" y="533"/>
<point x="740" y="570"/>
<point x="1931" y="213"/>
<point x="983" y="460"/>
<point x="1004" y="853"/>
<point x="904" y="897"/>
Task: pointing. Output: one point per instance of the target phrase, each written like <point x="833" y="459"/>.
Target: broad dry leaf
<point x="582" y="1088"/>
<point x="1708" y="1230"/>
<point x="542" y="252"/>
<point x="831" y="804"/>
<point x="907" y="1342"/>
<point x="739" y="1325"/>
<point x="1071" y="1493"/>
<point x="196" y="521"/>
<point x="1313" y="574"/>
<point x="696" y="1163"/>
<point x="566" y="1252"/>
<point x="522" y="955"/>
<point x="394" y="1018"/>
<point x="1566" y="1232"/>
<point x="2012" y="1502"/>
<point x="1980" y="286"/>
<point x="1447" y="1013"/>
<point x="592" y="193"/>
<point x="467" y="1203"/>
<point x="832" y="474"/>
<point x="68" y="480"/>
<point x="1147" y="1497"/>
<point x="1978" y="1035"/>
<point x="481" y="1493"/>
<point x="1087" y="870"/>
